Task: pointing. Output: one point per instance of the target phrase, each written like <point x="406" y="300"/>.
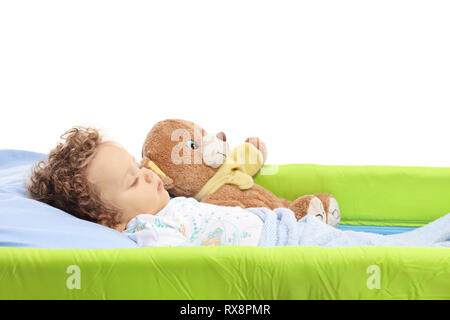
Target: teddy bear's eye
<point x="192" y="145"/>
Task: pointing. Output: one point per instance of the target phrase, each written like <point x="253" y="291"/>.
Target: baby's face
<point x="125" y="184"/>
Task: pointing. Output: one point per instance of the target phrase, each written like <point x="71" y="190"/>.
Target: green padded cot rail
<point x="227" y="272"/>
<point x="368" y="195"/>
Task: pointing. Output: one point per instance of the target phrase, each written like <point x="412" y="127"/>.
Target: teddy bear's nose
<point x="221" y="136"/>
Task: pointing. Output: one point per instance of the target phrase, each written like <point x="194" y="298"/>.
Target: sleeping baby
<point x="101" y="182"/>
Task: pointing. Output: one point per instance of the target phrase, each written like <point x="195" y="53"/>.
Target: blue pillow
<point x="29" y="223"/>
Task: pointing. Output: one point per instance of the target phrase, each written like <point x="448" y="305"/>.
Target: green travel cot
<point x="369" y="197"/>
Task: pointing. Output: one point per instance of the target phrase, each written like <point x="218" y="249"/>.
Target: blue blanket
<point x="282" y="229"/>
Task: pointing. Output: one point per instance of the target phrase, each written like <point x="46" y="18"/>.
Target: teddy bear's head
<point x="186" y="153"/>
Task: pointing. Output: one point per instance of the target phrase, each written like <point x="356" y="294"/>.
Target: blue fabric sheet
<point x="375" y="229"/>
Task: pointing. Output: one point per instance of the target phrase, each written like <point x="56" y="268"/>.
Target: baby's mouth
<point x="160" y="185"/>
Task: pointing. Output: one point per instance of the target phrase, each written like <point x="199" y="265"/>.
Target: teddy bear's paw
<point x="333" y="214"/>
<point x="308" y="205"/>
<point x="316" y="209"/>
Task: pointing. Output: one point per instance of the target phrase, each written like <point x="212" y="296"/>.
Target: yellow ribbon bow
<point x="238" y="169"/>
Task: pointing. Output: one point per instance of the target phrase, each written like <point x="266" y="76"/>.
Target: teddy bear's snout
<point x="215" y="149"/>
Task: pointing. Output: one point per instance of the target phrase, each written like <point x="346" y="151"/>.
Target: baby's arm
<point x="147" y="233"/>
<point x="149" y="238"/>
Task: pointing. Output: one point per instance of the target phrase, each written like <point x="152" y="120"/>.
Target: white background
<point x="328" y="82"/>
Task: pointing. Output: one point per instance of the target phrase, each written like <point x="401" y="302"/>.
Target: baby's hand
<point x="144" y="163"/>
<point x="167" y="181"/>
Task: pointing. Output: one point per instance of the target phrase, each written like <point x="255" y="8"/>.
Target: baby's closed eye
<point x="135" y="182"/>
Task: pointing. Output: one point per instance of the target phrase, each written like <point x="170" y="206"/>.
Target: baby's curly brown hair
<point x="61" y="179"/>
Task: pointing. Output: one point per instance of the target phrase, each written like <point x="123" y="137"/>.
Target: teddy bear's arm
<point x="260" y="145"/>
<point x="228" y="203"/>
<point x="256" y="196"/>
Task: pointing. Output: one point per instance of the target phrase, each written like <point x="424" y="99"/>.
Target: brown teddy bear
<point x="188" y="159"/>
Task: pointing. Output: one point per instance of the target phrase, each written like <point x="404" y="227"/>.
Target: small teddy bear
<point x="194" y="163"/>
